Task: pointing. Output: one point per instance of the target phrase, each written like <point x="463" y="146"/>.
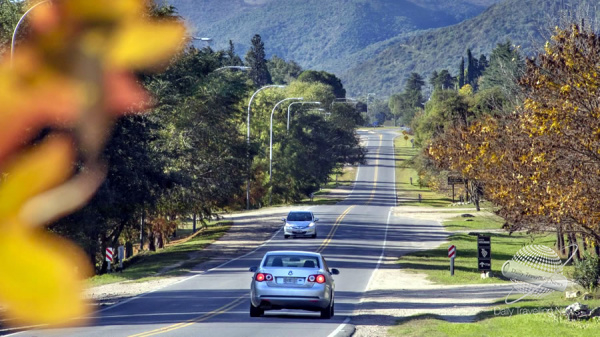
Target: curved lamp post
<point x="348" y="100"/>
<point x="290" y="106"/>
<point x="232" y="67"/>
<point x="248" y="139"/>
<point x="12" y="43"/>
<point x="271" y="139"/>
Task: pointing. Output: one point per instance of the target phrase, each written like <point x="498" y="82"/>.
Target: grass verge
<point x="436" y="265"/>
<point x="530" y="317"/>
<point x="148" y="265"/>
<point x="408" y="193"/>
<point x="324" y="196"/>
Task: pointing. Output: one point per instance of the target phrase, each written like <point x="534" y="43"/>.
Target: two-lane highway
<point x="353" y="236"/>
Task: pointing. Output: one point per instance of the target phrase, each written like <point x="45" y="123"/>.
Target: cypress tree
<point x="461" y="73"/>
<point x="471" y="69"/>
<point x="255" y="59"/>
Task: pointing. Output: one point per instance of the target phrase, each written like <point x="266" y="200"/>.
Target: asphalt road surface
<point x="353" y="235"/>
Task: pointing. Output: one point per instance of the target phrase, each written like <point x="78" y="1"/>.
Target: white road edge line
<point x="382" y="250"/>
<point x="340" y="327"/>
<point x="387" y="226"/>
<point x="394" y="175"/>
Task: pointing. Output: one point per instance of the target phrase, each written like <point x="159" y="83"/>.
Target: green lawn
<point x="147" y="265"/>
<point x="408" y="194"/>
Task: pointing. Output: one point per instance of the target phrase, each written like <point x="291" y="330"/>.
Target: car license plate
<point x="290" y="280"/>
<point x="299" y="232"/>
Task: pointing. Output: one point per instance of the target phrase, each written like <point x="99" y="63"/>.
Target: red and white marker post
<point x="452" y="255"/>
<point x="110" y="252"/>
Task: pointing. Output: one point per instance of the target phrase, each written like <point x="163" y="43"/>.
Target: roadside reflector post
<point x="452" y="255"/>
<point x="110" y="252"/>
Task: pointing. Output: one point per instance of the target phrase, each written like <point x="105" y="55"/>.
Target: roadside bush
<point x="587" y="271"/>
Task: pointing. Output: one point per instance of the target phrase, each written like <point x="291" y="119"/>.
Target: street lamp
<point x="271" y="139"/>
<point x="205" y="39"/>
<point x="233" y="67"/>
<point x="12" y="43"/>
<point x="290" y="106"/>
<point x="348" y="100"/>
<point x="248" y="139"/>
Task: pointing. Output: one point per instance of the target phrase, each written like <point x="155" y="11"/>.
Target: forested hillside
<point x="320" y="34"/>
<point x="526" y="23"/>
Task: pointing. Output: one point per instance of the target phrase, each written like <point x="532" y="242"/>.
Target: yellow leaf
<point x="34" y="172"/>
<point x="140" y="45"/>
<point x="104" y="9"/>
<point x="42" y="275"/>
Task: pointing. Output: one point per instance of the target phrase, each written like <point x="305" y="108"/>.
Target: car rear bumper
<point x="315" y="298"/>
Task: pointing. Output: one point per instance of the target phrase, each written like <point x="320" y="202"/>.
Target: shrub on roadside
<point x="587" y="271"/>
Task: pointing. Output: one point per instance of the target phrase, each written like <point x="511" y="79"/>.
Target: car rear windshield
<point x="292" y="261"/>
<point x="299" y="216"/>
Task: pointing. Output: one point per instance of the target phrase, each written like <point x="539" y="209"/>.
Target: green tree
<point x="10" y="12"/>
<point x="232" y="58"/>
<point x="461" y="73"/>
<point x="472" y="67"/>
<point x="406" y="104"/>
<point x="255" y="59"/>
<point x="283" y="72"/>
<point x="506" y="67"/>
<point x="325" y="78"/>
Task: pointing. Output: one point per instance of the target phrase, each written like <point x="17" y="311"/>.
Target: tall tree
<point x="472" y="67"/>
<point x="255" y="59"/>
<point x="407" y="103"/>
<point x="506" y="67"/>
<point x="232" y="58"/>
<point x="461" y="73"/>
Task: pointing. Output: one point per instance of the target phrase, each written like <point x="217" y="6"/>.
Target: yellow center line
<point x="376" y="170"/>
<point x="334" y="229"/>
<point x="221" y="310"/>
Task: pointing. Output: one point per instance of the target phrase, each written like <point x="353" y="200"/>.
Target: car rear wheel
<point x="286" y="236"/>
<point x="327" y="312"/>
<point x="255" y="312"/>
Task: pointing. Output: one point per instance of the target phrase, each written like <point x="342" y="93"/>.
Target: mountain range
<point x="373" y="45"/>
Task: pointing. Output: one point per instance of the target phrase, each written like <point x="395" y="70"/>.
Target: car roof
<point x="292" y="252"/>
<point x="300" y="212"/>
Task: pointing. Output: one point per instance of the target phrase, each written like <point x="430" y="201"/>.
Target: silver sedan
<point x="292" y="280"/>
<point x="300" y="223"/>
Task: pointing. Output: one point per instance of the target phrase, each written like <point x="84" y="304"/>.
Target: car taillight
<point x="317" y="278"/>
<point x="260" y="277"/>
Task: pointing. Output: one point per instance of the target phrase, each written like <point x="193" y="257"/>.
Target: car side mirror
<point x="316" y="219"/>
<point x="335" y="271"/>
<point x="253" y="269"/>
<point x="283" y="219"/>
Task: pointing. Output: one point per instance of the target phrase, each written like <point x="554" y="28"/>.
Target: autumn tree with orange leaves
<point x="541" y="164"/>
<point x="59" y="99"/>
